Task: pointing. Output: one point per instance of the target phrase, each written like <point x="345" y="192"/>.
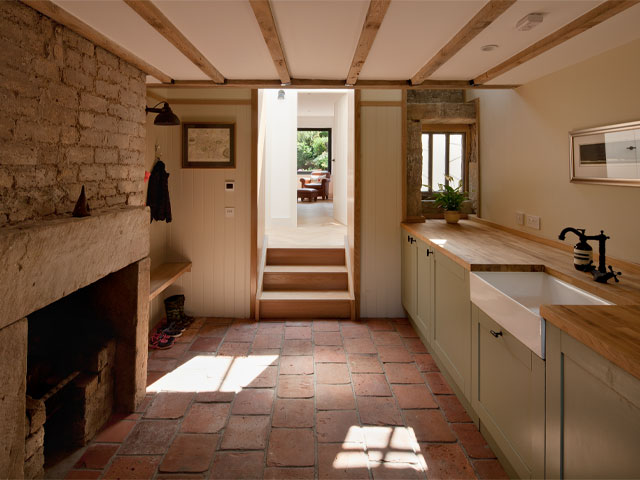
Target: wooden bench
<point x="165" y="275"/>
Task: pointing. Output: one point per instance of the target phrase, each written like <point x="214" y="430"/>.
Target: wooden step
<point x="305" y="304"/>
<point x="305" y="256"/>
<point x="305" y="277"/>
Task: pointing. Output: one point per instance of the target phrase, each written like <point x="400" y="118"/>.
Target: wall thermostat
<point x="229" y="185"/>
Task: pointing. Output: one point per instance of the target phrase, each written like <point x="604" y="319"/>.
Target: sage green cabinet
<point x="451" y="331"/>
<point x="593" y="413"/>
<point x="425" y="285"/>
<point x="508" y="395"/>
<point x="409" y="273"/>
<point x="417" y="282"/>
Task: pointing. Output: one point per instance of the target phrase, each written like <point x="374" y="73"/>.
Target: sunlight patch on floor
<point x="211" y="373"/>
<point x="386" y="447"/>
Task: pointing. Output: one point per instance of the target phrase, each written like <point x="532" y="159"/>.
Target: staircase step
<point x="305" y="269"/>
<point x="305" y="277"/>
<point x="305" y="304"/>
<point x="305" y="256"/>
<point x="308" y="295"/>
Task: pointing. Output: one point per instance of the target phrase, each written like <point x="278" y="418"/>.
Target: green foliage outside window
<point x="313" y="150"/>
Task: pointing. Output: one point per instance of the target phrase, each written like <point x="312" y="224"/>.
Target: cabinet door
<point x="409" y="276"/>
<point x="451" y="335"/>
<point x="508" y="394"/>
<point x="593" y="413"/>
<point x="424" y="313"/>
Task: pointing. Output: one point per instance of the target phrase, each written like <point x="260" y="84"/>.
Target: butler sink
<point x="513" y="299"/>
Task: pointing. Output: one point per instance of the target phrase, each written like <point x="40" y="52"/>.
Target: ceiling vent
<point x="530" y="21"/>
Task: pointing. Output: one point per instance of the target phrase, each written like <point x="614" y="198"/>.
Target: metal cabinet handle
<point x="496" y="334"/>
<point x="429" y="252"/>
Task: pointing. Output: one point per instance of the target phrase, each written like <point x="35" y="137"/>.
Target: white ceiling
<point x="411" y="33"/>
<point x="317" y="104"/>
<point x="471" y="61"/>
<point x="319" y="37"/>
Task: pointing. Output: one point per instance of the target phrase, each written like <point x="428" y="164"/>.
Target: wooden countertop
<point x="480" y="247"/>
<point x="612" y="331"/>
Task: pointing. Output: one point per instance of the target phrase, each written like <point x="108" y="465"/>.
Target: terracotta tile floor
<point x="284" y="400"/>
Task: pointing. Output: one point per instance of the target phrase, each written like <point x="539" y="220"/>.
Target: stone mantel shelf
<point x="44" y="261"/>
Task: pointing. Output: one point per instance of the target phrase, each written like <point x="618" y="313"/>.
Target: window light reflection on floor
<point x="386" y="447"/>
<point x="211" y="373"/>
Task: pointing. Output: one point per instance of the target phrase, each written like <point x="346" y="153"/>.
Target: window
<point x="314" y="147"/>
<point x="444" y="154"/>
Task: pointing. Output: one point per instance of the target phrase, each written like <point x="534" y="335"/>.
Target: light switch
<point x="229" y="212"/>
<point x="229" y="185"/>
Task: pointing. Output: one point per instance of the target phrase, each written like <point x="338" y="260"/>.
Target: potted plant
<point x="450" y="199"/>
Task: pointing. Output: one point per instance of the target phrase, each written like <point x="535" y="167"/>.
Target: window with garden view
<point x="314" y="146"/>
<point x="443" y="159"/>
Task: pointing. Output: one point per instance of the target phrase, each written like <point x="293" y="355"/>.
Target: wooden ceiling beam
<point x="481" y="20"/>
<point x="593" y="17"/>
<point x="154" y="17"/>
<point x="264" y="16"/>
<point x="375" y="14"/>
<point x="333" y="84"/>
<point x="57" y="14"/>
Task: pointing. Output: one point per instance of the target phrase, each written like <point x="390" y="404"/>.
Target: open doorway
<point x="305" y="149"/>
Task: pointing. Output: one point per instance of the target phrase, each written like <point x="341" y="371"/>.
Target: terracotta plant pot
<point x="451" y="216"/>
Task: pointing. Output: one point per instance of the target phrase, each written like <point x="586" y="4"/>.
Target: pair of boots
<point x="174" y="307"/>
<point x="177" y="322"/>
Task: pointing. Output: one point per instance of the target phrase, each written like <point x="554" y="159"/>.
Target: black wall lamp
<point x="165" y="116"/>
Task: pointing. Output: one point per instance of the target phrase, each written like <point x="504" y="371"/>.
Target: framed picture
<point x="606" y="155"/>
<point x="208" y="145"/>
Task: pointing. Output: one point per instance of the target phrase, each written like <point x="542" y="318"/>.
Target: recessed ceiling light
<point x="489" y="48"/>
<point x="529" y="21"/>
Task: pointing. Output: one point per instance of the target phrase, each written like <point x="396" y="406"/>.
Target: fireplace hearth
<point x="70" y="377"/>
<point x="73" y="332"/>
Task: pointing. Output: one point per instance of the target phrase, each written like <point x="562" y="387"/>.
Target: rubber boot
<point x="174" y="306"/>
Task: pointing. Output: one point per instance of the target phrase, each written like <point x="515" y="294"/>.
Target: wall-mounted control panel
<point x="229" y="212"/>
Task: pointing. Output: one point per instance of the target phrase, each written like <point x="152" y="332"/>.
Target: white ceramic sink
<point x="513" y="300"/>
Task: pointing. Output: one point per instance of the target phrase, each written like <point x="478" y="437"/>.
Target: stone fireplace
<point x="73" y="331"/>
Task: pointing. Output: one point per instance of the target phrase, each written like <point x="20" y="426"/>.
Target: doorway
<point x="306" y="144"/>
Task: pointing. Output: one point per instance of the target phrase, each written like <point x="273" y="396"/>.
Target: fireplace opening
<point x="70" y="379"/>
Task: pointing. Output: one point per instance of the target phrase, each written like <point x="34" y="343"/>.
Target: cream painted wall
<point x="281" y="120"/>
<point x="158" y="230"/>
<point x="525" y="156"/>
<point x="341" y="151"/>
<point x="381" y="209"/>
<point x="219" y="247"/>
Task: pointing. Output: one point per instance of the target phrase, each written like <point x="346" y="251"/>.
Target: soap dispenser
<point x="583" y="255"/>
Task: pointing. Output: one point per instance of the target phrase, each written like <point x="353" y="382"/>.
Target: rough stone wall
<point x="72" y="115"/>
<point x="34" y="439"/>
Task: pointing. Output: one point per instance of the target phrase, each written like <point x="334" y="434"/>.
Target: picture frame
<point x="208" y="145"/>
<point x="608" y="155"/>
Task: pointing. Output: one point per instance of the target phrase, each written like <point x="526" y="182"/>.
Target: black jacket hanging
<point x="158" y="193"/>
